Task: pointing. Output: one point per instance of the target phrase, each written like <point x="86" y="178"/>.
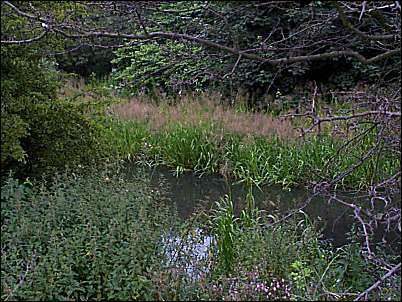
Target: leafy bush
<point x="67" y="135"/>
<point x="168" y="66"/>
<point x="173" y="66"/>
<point x="25" y="82"/>
<point x="92" y="237"/>
<point x="96" y="236"/>
<point x="37" y="130"/>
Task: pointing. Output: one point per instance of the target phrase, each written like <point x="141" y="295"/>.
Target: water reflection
<point x="190" y="191"/>
<point x="188" y="254"/>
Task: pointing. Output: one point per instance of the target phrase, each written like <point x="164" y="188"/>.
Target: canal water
<point x="190" y="192"/>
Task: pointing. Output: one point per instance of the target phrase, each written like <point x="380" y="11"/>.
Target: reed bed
<point x="199" y="134"/>
<point x="195" y="111"/>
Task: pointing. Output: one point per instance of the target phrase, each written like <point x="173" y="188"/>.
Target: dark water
<point x="190" y="253"/>
<point x="189" y="191"/>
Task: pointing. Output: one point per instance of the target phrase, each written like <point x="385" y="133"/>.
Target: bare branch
<point x="26" y="41"/>
<point x="335" y="54"/>
<point x="391" y="272"/>
<point x="363" y="10"/>
<point x="58" y="28"/>
<point x="234" y="67"/>
<point x="361" y="34"/>
<point x="24" y="14"/>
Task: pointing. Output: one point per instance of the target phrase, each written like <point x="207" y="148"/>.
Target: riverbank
<point x="100" y="235"/>
<point x="253" y="147"/>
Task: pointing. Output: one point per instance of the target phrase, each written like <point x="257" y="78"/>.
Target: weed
<point x="78" y="238"/>
<point x="96" y="236"/>
<point x="225" y="231"/>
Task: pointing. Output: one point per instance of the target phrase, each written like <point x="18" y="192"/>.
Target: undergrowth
<point x="97" y="236"/>
<point x="78" y="237"/>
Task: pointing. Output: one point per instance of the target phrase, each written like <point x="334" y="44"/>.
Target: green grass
<point x="185" y="138"/>
<point x="225" y="231"/>
<point x="259" y="160"/>
<point x="97" y="236"/>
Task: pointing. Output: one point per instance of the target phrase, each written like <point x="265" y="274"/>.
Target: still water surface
<point x="189" y="192"/>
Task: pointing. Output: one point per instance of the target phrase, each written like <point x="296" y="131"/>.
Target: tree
<point x="277" y="37"/>
<point x="37" y="130"/>
<point x="259" y="43"/>
<point x="25" y="82"/>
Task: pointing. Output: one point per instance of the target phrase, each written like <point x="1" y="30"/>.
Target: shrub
<point x="92" y="237"/>
<point x="25" y="82"/>
<point x="67" y="135"/>
<point x="37" y="130"/>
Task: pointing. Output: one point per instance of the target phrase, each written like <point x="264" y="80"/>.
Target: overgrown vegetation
<point x="96" y="236"/>
<point x="286" y="29"/>
<point x="258" y="149"/>
<point x="258" y="92"/>
<point x="39" y="131"/>
<point x="81" y="237"/>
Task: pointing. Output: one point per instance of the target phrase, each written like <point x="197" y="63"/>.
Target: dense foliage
<point x="25" y="83"/>
<point x="86" y="61"/>
<point x="75" y="229"/>
<point x="246" y="158"/>
<point x="98" y="235"/>
<point x="80" y="237"/>
<point x="174" y="66"/>
<point x="169" y="67"/>
<point x="38" y="130"/>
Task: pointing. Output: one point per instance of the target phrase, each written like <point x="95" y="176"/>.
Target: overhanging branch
<point x="26" y="41"/>
<point x="57" y="28"/>
<point x="361" y="34"/>
<point x="208" y="43"/>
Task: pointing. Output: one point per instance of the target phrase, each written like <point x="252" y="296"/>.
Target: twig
<point x="81" y="33"/>
<point x="26" y="41"/>
<point x="376" y="284"/>
<point x="366" y="235"/>
<point x="234" y="67"/>
<point x="363" y="10"/>
<point x="29" y="267"/>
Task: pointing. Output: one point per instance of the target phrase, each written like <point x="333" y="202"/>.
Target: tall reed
<point x="225" y="230"/>
<point x="202" y="136"/>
